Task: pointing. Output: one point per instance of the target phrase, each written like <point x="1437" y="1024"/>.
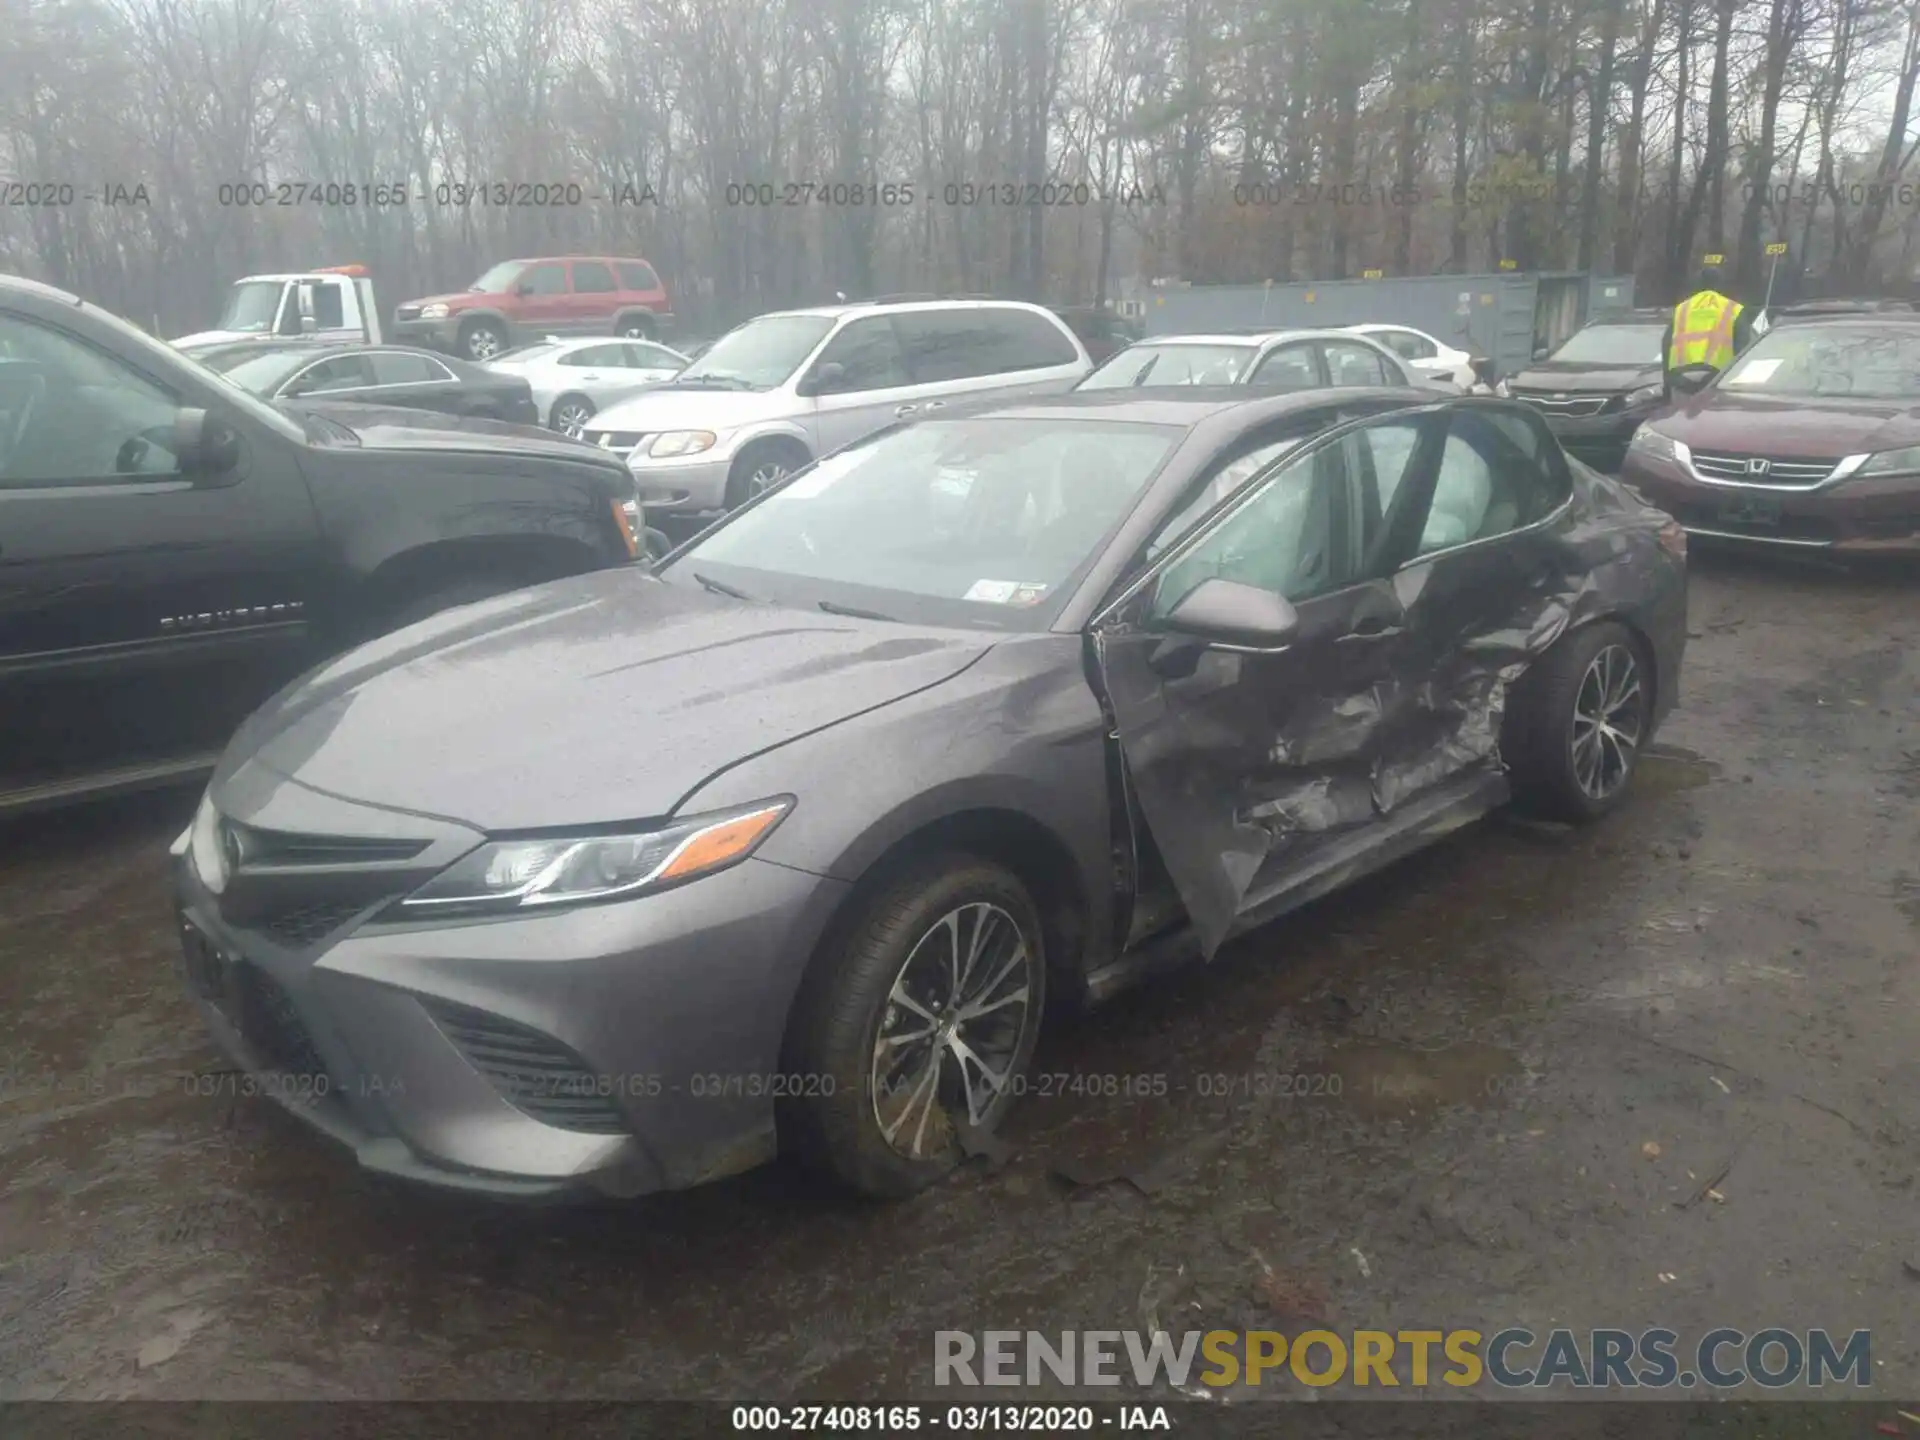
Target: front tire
<point x="917" y="1023"/>
<point x="1576" y="724"/>
<point x="760" y="467"/>
<point x="481" y="340"/>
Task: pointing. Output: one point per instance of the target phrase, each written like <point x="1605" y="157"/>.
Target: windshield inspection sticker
<point x="1755" y="372"/>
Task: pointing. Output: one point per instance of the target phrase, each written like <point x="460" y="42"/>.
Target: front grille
<point x="623" y="440"/>
<point x="1796" y="474"/>
<point x="282" y="847"/>
<point x="266" y="1018"/>
<point x="535" y="1073"/>
<point x="1573" y="406"/>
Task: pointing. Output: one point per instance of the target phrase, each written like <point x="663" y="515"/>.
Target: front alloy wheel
<point x="1576" y="722"/>
<point x="952" y="1030"/>
<point x="571" y="417"/>
<point x="912" y="1034"/>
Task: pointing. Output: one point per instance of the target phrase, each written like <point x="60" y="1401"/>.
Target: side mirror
<point x="1225" y="612"/>
<point x="525" y="287"/>
<point x="823" y="378"/>
<point x="308" y="325"/>
<point x="1540" y="352"/>
<point x="203" y="445"/>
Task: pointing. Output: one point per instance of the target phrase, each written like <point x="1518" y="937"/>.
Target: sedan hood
<point x="388" y="427"/>
<point x="1825" y="427"/>
<point x="602" y="699"/>
<point x="674" y="407"/>
<point x="1576" y="377"/>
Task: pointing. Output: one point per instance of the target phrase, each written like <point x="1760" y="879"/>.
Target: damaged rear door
<point x="1251" y="753"/>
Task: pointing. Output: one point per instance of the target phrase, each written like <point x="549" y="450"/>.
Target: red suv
<point x="518" y="300"/>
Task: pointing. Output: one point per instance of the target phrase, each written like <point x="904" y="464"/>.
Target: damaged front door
<point x="1252" y="669"/>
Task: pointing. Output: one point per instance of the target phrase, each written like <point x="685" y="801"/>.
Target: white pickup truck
<point x="334" y="303"/>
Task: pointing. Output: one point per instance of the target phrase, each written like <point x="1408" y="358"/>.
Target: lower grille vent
<point x="533" y="1072"/>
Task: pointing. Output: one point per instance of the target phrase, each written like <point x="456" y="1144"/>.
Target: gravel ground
<point x="1546" y="1046"/>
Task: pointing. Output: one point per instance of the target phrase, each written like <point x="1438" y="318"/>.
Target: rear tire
<point x="481" y="340"/>
<point x="874" y="1045"/>
<point x="1576" y="723"/>
<point x="760" y="466"/>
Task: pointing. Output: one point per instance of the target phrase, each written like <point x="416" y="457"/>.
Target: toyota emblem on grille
<point x="1759" y="467"/>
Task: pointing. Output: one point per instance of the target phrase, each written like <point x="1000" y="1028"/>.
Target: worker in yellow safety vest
<point x="1707" y="328"/>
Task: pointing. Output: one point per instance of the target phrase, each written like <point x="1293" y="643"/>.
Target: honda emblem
<point x="1759" y="467"/>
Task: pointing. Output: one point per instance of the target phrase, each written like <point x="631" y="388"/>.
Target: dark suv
<point x="173" y="549"/>
<point x="556" y="295"/>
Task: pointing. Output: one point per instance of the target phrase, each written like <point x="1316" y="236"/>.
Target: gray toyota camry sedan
<point x="627" y="882"/>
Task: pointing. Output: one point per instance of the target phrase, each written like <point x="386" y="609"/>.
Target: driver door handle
<point x="905" y="409"/>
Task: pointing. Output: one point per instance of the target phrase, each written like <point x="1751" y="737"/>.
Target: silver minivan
<point x="772" y="395"/>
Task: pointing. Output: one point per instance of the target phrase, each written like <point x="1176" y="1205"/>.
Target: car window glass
<point x="549" y="279"/>
<point x="1023" y="340"/>
<point x="1488" y="484"/>
<point x="946" y="344"/>
<point x="590" y="355"/>
<point x="1228" y="477"/>
<point x="1351" y="364"/>
<point x="593" y="277"/>
<point x="343" y="372"/>
<point x="649" y="357"/>
<point x="1409" y="346"/>
<point x="1290" y="367"/>
<point x="871" y="355"/>
<point x="396" y="368"/>
<point x="70" y="414"/>
<point x="329" y="307"/>
<point x="637" y="275"/>
<point x="1288" y="537"/>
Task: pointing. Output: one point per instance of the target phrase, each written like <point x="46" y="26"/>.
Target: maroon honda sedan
<point x="1811" y="440"/>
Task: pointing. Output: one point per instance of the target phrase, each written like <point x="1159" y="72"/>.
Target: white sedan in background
<point x="574" y="379"/>
<point x="1422" y="352"/>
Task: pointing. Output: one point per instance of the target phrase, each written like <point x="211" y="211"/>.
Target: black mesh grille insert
<point x="310" y="923"/>
<point x="266" y="1017"/>
<point x="533" y="1072"/>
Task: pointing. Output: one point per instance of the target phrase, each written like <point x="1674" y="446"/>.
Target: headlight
<point x="518" y="875"/>
<point x="680" y="442"/>
<point x="1502" y="389"/>
<point x="435" y="311"/>
<point x="205" y="847"/>
<point x="1650" y="444"/>
<point x="1645" y="395"/>
<point x="1892" y="462"/>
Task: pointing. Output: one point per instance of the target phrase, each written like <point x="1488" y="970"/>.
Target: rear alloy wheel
<point x="482" y="340"/>
<point x="1577" y="722"/>
<point x="759" y="468"/>
<point x="920" y="1029"/>
<point x="570" y="416"/>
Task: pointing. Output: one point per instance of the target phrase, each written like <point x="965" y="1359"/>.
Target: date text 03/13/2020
<point x="954" y="1419"/>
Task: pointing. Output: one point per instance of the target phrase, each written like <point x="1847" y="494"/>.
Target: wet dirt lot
<point x="1492" y="1087"/>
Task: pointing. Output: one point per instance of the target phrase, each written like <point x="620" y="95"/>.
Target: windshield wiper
<point x="709" y="583"/>
<point x="851" y="613"/>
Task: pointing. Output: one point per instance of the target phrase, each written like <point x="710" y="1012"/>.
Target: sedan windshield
<point x="252" y="307"/>
<point x="1172" y="365"/>
<point x="1868" y="362"/>
<point x="1613" y="345"/>
<point x="760" y="354"/>
<point x="964" y="522"/>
